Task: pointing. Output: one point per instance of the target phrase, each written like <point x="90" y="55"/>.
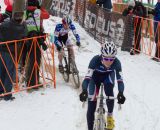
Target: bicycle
<point x="70" y="68"/>
<point x="100" y="121"/>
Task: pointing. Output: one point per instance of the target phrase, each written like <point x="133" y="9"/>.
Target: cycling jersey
<point x="100" y="74"/>
<point x="60" y="31"/>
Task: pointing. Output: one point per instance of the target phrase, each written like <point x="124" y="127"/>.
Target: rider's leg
<point x="108" y="89"/>
<point x="90" y="114"/>
<point x="92" y="102"/>
<point x="70" y="48"/>
<point x="60" y="57"/>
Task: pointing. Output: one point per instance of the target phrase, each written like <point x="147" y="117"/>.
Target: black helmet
<point x="33" y="3"/>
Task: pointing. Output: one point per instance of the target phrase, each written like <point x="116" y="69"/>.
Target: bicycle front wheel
<point x="75" y="74"/>
<point x="66" y="70"/>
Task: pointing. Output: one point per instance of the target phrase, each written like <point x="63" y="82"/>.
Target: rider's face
<point x="108" y="61"/>
<point x="66" y="26"/>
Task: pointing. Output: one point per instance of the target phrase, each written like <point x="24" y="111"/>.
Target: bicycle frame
<point x="100" y="121"/>
<point x="70" y="68"/>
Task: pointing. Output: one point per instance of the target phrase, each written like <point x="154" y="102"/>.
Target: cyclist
<point x="61" y="38"/>
<point x="102" y="69"/>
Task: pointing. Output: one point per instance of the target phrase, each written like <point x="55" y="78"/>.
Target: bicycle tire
<point x="75" y="74"/>
<point x="100" y="123"/>
<point x="66" y="70"/>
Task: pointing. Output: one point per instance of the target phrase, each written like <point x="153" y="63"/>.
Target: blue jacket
<point x="107" y="4"/>
<point x="157" y="12"/>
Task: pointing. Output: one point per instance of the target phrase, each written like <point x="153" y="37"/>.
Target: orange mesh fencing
<point x="42" y="69"/>
<point x="145" y="31"/>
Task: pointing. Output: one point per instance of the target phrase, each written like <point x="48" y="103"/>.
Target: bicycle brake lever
<point x="119" y="107"/>
<point x="83" y="104"/>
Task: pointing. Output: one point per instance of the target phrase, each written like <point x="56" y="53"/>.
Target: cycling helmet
<point x="109" y="49"/>
<point x="66" y="20"/>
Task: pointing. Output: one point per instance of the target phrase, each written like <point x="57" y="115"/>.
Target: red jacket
<point x="1" y="18"/>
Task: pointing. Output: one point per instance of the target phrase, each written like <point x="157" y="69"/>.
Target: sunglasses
<point x="108" y="59"/>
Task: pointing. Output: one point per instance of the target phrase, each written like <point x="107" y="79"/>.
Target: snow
<point x="60" y="108"/>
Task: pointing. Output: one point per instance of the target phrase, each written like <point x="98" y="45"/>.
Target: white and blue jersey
<point x="100" y="74"/>
<point x="61" y="35"/>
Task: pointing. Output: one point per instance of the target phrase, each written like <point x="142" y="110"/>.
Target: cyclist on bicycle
<point x="61" y="38"/>
<point x="102" y="69"/>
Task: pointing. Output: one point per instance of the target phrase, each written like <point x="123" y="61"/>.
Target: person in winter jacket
<point x="13" y="29"/>
<point x="156" y="13"/>
<point x="107" y="4"/>
<point x="34" y="20"/>
<point x="138" y="11"/>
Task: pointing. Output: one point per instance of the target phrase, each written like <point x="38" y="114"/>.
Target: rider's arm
<point x="72" y="27"/>
<point x="56" y="34"/>
<point x="119" y="77"/>
<point x="89" y="74"/>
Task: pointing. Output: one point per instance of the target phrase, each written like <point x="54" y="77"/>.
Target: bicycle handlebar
<point x="108" y="97"/>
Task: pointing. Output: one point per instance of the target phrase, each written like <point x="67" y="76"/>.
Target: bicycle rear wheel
<point x="75" y="74"/>
<point x="66" y="70"/>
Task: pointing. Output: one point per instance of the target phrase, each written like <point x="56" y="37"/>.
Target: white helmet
<point x="109" y="49"/>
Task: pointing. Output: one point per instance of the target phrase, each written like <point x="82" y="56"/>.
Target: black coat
<point x="11" y="30"/>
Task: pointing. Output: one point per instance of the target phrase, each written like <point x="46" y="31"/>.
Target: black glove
<point x="59" y="48"/>
<point x="153" y="12"/>
<point x="121" y="98"/>
<point x="44" y="46"/>
<point x="83" y="96"/>
<point x="78" y="44"/>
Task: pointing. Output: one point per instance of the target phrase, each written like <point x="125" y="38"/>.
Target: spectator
<point x="129" y="31"/>
<point x="129" y="10"/>
<point x="139" y="11"/>
<point x="35" y="15"/>
<point x="107" y="4"/>
<point x="13" y="29"/>
<point x="156" y="13"/>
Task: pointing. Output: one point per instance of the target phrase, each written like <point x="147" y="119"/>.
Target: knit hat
<point x="9" y="8"/>
<point x="33" y="3"/>
<point x="131" y="3"/>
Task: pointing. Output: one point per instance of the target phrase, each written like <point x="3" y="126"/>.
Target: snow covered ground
<point x="60" y="108"/>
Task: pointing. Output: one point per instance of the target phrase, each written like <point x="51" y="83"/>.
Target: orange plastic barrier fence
<point x="147" y="36"/>
<point x="33" y="67"/>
